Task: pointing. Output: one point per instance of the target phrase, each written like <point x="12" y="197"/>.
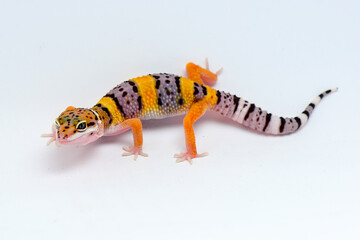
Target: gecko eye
<point x="81" y="126"/>
<point x="57" y="124"/>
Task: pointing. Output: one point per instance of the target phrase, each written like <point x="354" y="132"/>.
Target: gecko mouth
<point x="81" y="138"/>
<point x="71" y="141"/>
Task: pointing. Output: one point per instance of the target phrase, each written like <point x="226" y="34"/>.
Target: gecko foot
<point x="187" y="157"/>
<point x="131" y="150"/>
<point x="52" y="138"/>
<point x="217" y="73"/>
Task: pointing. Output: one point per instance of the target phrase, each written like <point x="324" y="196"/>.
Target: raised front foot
<point x="217" y="73"/>
<point x="131" y="150"/>
<point x="187" y="157"/>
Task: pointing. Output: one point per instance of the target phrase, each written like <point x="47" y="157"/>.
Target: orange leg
<point x="136" y="127"/>
<point x="199" y="74"/>
<point x="195" y="112"/>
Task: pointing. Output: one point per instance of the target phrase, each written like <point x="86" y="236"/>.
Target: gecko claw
<point x="46" y="135"/>
<point x="50" y="141"/>
<point x="51" y="136"/>
<point x="187" y="157"/>
<point x="207" y="67"/>
<point x="218" y="72"/>
<point x="136" y="151"/>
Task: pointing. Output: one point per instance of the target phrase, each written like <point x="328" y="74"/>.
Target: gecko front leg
<point x="135" y="125"/>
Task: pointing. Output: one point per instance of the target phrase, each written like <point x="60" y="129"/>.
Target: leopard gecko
<point x="162" y="95"/>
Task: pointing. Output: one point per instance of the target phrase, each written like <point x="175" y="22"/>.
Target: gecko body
<point x="163" y="95"/>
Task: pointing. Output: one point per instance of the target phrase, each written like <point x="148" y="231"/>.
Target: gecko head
<point x="77" y="126"/>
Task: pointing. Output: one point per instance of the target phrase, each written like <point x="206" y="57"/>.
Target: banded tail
<point x="248" y="115"/>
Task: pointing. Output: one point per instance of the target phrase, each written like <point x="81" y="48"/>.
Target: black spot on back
<point x="204" y="90"/>
<point x="267" y="120"/>
<point x="282" y="124"/>
<point x="251" y="109"/>
<point x="177" y="81"/>
<point x="298" y="120"/>
<point x="108" y="113"/>
<point x="196" y="91"/>
<point x="167" y="91"/>
<point x="157" y="85"/>
<point x="139" y="102"/>
<point x="218" y="94"/>
<point x="236" y="103"/>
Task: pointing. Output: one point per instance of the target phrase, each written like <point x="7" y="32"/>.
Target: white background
<point x="277" y="54"/>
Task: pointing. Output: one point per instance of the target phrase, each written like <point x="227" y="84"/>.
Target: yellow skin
<point x="80" y="126"/>
<point x="165" y="95"/>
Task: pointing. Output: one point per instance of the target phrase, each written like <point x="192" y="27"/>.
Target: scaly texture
<point x="164" y="95"/>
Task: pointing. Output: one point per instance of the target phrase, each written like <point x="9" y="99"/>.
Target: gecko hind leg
<point x="217" y="73"/>
<point x="195" y="112"/>
<point x="202" y="75"/>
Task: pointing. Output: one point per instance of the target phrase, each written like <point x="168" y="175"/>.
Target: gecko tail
<point x="253" y="117"/>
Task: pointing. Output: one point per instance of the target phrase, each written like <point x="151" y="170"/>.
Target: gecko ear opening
<point x="69" y="108"/>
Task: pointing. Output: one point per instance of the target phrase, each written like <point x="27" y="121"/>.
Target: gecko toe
<point x="133" y="151"/>
<point x="188" y="157"/>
